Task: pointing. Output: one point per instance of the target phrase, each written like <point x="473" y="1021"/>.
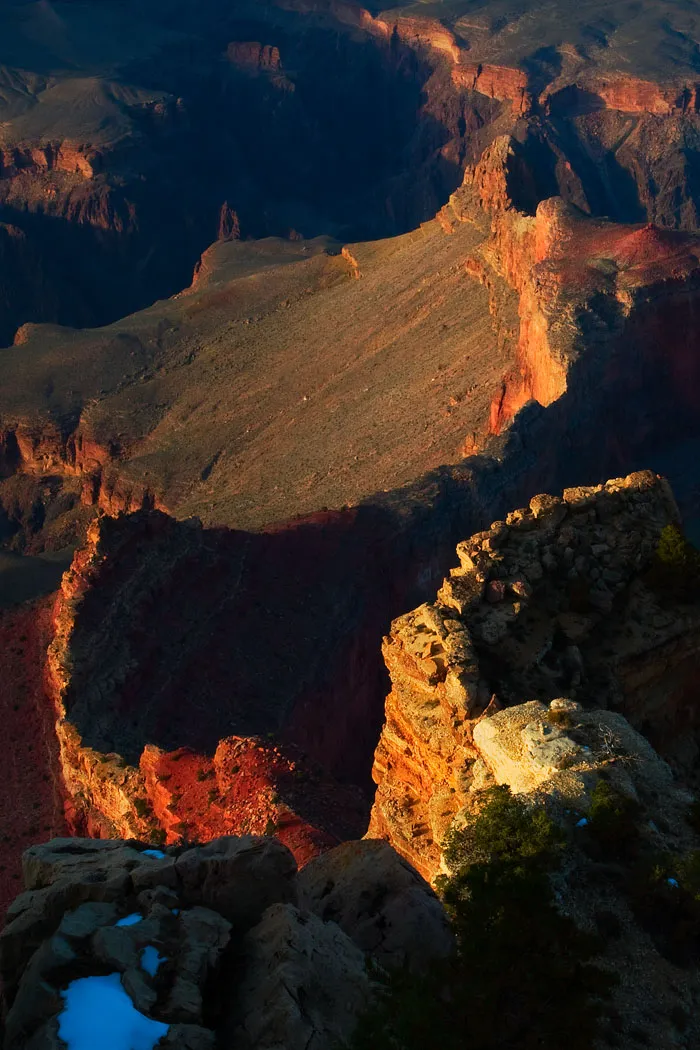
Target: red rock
<point x="495" y="591"/>
<point x="31" y="801"/>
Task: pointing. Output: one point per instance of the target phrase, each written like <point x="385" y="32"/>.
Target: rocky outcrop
<point x="120" y="775"/>
<point x="399" y="926"/>
<point x="586" y="288"/>
<point x="208" y="942"/>
<point x="305" y="983"/>
<point x="537" y="610"/>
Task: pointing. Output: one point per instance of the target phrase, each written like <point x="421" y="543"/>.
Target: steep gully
<point x="607" y="352"/>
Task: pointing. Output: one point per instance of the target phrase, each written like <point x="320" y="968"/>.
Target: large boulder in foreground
<point x="380" y="901"/>
<point x="305" y="983"/>
<point x="208" y="943"/>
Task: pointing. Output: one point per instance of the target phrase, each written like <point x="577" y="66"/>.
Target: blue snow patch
<point x="151" y="960"/>
<point x="672" y="882"/>
<point x="582" y="822"/>
<point x="158" y="854"/>
<point x="98" y="1012"/>
<point x="130" y="920"/>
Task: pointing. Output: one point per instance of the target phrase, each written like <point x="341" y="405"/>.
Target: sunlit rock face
<point x="549" y="603"/>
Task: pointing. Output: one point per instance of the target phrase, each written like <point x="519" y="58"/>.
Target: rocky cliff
<point x="115" y="167"/>
<point x="550" y="602"/>
<point x="124" y="767"/>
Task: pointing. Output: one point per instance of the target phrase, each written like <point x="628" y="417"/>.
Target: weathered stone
<point x="304" y="985"/>
<point x="139" y="990"/>
<point x="84" y="920"/>
<point x="238" y="877"/>
<point x="115" y="947"/>
<point x="380" y="901"/>
<point x="188" y="1037"/>
<point x="552" y="509"/>
<point x="549" y="748"/>
<point x="84" y="859"/>
<point x="564" y="704"/>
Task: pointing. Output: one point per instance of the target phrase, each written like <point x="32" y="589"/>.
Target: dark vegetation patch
<point x="522" y="974"/>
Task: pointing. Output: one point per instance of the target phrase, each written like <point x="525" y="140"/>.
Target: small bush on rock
<point x="613" y="823"/>
<point x="675" y="571"/>
<point x="521" y="976"/>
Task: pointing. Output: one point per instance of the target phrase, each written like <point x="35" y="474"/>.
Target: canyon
<point x="556" y="621"/>
<point x="296" y="296"/>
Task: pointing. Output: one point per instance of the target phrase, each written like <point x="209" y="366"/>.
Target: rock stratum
<point x="308" y="355"/>
<point x="554" y="601"/>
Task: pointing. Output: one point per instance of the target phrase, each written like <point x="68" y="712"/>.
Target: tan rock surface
<point x="569" y="573"/>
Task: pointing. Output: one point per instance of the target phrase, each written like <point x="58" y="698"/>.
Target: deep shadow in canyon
<point x="305" y="131"/>
<point x="278" y="633"/>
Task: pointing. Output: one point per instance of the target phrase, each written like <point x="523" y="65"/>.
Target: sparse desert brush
<point x="521" y="976"/>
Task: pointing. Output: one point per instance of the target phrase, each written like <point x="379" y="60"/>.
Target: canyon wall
<point x="549" y="603"/>
<point x="120" y="180"/>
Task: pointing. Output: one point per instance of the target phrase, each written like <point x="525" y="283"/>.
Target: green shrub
<point x="521" y="976"/>
<point x="613" y="823"/>
<point x="504" y="829"/>
<point x="675" y="571"/>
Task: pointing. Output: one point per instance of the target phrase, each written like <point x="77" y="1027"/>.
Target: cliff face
<point x="31" y="803"/>
<point x="548" y="603"/>
<point x="124" y="694"/>
<point x="588" y="290"/>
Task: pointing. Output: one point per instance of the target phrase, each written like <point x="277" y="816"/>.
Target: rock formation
<point x="549" y="603"/>
<point x="124" y="768"/>
<point x="209" y="941"/>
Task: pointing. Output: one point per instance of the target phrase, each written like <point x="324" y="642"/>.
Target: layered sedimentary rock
<point x="588" y="289"/>
<point x="117" y="164"/>
<point x="550" y="602"/>
<point x="558" y="305"/>
<point x="123" y="713"/>
<point x="210" y="942"/>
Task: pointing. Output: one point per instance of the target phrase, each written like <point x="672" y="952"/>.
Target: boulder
<point x="305" y="983"/>
<point x="238" y="877"/>
<point x="379" y="900"/>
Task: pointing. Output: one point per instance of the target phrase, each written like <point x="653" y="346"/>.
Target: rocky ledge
<point x="551" y="603"/>
<point x="223" y="941"/>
